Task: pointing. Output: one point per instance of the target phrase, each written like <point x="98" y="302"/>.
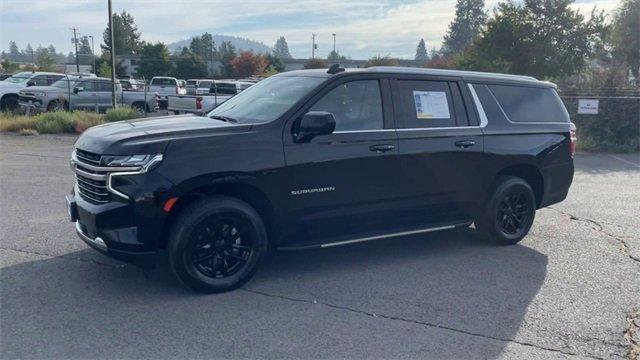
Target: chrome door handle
<point x="465" y="143"/>
<point x="381" y="148"/>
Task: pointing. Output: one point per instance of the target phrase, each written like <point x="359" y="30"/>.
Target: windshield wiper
<point x="224" y="118"/>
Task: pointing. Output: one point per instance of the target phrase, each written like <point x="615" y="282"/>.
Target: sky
<point x="363" y="28"/>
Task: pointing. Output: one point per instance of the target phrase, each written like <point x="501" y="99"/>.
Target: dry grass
<point x="50" y="123"/>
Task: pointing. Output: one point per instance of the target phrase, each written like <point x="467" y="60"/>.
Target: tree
<point x="316" y="64"/>
<point x="226" y="52"/>
<point x="9" y="67"/>
<point x="466" y="26"/>
<point x="248" y="64"/>
<point x="381" y="61"/>
<point x="28" y="53"/>
<point x="335" y="56"/>
<point x="154" y="61"/>
<point x="281" y="49"/>
<point x="545" y="39"/>
<point x="190" y="66"/>
<point x="625" y="35"/>
<point x="275" y="63"/>
<point x="45" y="61"/>
<point x="71" y="58"/>
<point x="104" y="70"/>
<point x="127" y="37"/>
<point x="203" y="46"/>
<point x="14" y="52"/>
<point x="85" y="55"/>
<point x="421" y="51"/>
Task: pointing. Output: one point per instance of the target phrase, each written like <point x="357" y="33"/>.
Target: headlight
<point x="38" y="94"/>
<point x="145" y="161"/>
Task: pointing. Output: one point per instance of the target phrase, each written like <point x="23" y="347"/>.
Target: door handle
<point x="465" y="143"/>
<point x="381" y="148"/>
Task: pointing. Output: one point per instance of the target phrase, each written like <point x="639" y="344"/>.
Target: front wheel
<point x="509" y="213"/>
<point x="216" y="244"/>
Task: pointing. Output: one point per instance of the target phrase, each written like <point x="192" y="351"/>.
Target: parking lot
<point x="570" y="289"/>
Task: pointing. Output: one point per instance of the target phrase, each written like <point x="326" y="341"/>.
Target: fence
<point x="85" y="93"/>
<point x="614" y="127"/>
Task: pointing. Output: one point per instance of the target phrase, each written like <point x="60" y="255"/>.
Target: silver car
<point x="73" y="93"/>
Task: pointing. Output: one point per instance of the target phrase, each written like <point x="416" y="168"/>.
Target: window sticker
<point x="431" y="105"/>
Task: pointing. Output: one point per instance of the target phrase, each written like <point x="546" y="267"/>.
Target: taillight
<point x="574" y="139"/>
<point x="198" y="103"/>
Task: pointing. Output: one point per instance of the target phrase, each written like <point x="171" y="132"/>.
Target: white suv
<point x="10" y="87"/>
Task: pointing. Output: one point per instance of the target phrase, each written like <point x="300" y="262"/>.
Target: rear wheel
<point x="509" y="213"/>
<point x="139" y="107"/>
<point x="216" y="244"/>
<point x="56" y="105"/>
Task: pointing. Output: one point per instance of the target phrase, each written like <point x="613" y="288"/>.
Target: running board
<point x="371" y="238"/>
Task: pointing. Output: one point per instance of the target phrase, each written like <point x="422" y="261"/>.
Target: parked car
<point x="130" y="84"/>
<point x="10" y="87"/>
<point x="218" y="92"/>
<point x="198" y="86"/>
<point x="165" y="86"/>
<point x="314" y="159"/>
<point x="80" y="93"/>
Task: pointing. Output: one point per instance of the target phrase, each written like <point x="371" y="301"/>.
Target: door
<point x="103" y="95"/>
<point x="85" y="98"/>
<point x="440" y="149"/>
<point x="343" y="184"/>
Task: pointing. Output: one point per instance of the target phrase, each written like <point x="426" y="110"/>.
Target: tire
<point x="509" y="212"/>
<point x="210" y="238"/>
<point x="9" y="103"/>
<point x="56" y="105"/>
<point x="139" y="108"/>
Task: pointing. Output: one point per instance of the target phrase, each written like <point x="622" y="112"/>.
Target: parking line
<point x="624" y="160"/>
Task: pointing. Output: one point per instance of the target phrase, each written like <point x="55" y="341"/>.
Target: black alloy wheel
<point x="514" y="212"/>
<point x="221" y="245"/>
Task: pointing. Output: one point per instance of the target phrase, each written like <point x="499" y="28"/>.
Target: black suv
<point x="317" y="158"/>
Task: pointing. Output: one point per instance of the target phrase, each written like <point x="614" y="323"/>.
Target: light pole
<point x="334" y="43"/>
<point x="313" y="45"/>
<point x="113" y="59"/>
<point x="75" y="42"/>
<point x="93" y="54"/>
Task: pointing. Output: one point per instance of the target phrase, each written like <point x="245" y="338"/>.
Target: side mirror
<point x="78" y="89"/>
<point x="315" y="123"/>
<point x="30" y="83"/>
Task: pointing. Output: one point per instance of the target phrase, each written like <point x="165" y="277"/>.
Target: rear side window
<point x="163" y="82"/>
<point x="103" y="86"/>
<point x="356" y="105"/>
<point x="424" y="104"/>
<point x="529" y="104"/>
<point x="204" y="84"/>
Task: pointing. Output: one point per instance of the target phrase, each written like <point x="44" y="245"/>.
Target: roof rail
<point x="335" y="68"/>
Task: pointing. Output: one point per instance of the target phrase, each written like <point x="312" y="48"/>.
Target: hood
<point x="151" y="135"/>
<point x="6" y="87"/>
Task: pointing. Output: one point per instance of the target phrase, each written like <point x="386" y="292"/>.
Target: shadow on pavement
<point x="65" y="308"/>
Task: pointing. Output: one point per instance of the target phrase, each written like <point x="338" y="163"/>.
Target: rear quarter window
<point x="529" y="104"/>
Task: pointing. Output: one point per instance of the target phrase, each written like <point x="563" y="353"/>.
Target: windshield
<point x="267" y="100"/>
<point x="19" y="78"/>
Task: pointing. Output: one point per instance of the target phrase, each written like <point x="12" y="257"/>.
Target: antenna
<point x="335" y="68"/>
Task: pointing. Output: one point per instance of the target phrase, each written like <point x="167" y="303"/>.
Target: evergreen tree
<point x="226" y="53"/>
<point x="154" y="61"/>
<point x="127" y="37"/>
<point x="281" y="49"/>
<point x="14" y="52"/>
<point x="626" y="35"/>
<point x="203" y="46"/>
<point x="190" y="65"/>
<point x="28" y="54"/>
<point x="335" y="56"/>
<point x="466" y="26"/>
<point x="84" y="51"/>
<point x="421" y="51"/>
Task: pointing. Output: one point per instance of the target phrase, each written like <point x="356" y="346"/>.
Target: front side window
<point x="87" y="85"/>
<point x="356" y="105"/>
<point x="40" y="80"/>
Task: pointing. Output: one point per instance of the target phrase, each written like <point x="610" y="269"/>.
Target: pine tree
<point x="281" y="49"/>
<point x="421" y="51"/>
<point x="466" y="26"/>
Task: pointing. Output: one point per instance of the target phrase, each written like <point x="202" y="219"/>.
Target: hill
<point x="238" y="42"/>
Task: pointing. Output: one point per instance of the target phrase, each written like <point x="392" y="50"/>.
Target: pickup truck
<point x="219" y="92"/>
<point x="166" y="86"/>
<point x="83" y="93"/>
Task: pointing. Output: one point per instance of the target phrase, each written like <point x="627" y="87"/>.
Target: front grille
<point x="92" y="185"/>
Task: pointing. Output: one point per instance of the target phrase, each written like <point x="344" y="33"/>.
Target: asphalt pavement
<point x="570" y="289"/>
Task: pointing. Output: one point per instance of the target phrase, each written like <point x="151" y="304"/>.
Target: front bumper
<point x="110" y="230"/>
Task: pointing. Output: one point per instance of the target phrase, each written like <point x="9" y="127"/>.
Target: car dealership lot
<point x="567" y="289"/>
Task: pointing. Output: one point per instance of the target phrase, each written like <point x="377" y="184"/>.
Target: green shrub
<point x="83" y="120"/>
<point x="55" y="122"/>
<point x="121" y="113"/>
<point x="10" y="123"/>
